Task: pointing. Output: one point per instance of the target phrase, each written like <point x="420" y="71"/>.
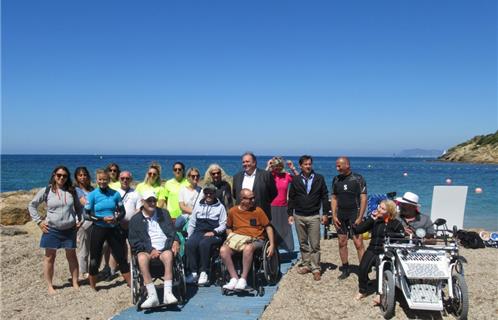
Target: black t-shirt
<point x="347" y="190"/>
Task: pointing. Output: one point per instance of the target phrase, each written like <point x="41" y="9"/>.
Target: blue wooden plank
<point x="208" y="302"/>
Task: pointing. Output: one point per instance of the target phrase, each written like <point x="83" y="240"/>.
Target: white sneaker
<point x="150" y="302"/>
<point x="231" y="284"/>
<point x="169" y="298"/>
<point x="241" y="284"/>
<point x="203" y="279"/>
<point x="191" y="278"/>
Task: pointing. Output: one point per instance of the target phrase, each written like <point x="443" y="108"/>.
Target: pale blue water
<point x="382" y="174"/>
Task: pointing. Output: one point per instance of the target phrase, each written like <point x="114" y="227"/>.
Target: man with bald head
<point x="247" y="220"/>
<point x="349" y="201"/>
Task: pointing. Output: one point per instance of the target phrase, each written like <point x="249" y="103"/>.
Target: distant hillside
<point x="419" y="153"/>
<point x="480" y="149"/>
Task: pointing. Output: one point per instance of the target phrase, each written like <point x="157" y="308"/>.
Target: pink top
<point x="282" y="181"/>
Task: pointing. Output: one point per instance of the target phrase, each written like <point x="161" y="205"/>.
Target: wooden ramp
<point x="209" y="303"/>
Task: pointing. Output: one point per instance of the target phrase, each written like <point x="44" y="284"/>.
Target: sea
<point x="383" y="174"/>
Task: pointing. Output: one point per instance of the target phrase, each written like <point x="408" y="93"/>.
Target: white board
<point x="448" y="202"/>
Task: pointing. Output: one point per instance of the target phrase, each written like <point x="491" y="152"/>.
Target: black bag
<point x="470" y="239"/>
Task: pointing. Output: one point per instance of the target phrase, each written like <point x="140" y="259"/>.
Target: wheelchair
<point x="430" y="276"/>
<point x="265" y="270"/>
<point x="138" y="290"/>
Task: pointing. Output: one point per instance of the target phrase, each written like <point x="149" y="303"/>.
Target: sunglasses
<point x="61" y="175"/>
<point x="152" y="174"/>
<point x="125" y="178"/>
<point x="194" y="176"/>
<point x="214" y="173"/>
<point x="177" y="169"/>
<point x="151" y="200"/>
<point x="113" y="170"/>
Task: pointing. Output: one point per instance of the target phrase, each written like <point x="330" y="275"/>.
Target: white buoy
<point x="405" y="174"/>
<point x="448" y="181"/>
<point x="478" y="190"/>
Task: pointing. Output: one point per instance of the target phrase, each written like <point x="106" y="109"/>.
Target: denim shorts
<point x="59" y="239"/>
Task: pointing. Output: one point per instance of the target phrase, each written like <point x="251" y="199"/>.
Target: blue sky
<point x="223" y="77"/>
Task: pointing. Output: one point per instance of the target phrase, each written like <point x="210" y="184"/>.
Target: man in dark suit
<point x="307" y="194"/>
<point x="259" y="181"/>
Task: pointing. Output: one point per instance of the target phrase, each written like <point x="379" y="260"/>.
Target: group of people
<point x="260" y="205"/>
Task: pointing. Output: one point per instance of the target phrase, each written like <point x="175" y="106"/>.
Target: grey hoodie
<point x="61" y="214"/>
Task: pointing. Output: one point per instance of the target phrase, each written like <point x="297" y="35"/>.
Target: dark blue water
<point x="24" y="172"/>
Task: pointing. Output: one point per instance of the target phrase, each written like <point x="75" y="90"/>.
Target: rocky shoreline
<point x="480" y="149"/>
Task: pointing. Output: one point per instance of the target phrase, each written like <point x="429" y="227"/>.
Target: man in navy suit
<point x="259" y="181"/>
<point x="307" y="194"/>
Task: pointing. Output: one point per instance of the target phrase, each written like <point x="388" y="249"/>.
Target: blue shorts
<point x="59" y="239"/>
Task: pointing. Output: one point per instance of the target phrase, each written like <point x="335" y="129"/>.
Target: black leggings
<point x="117" y="242"/>
<point x="369" y="259"/>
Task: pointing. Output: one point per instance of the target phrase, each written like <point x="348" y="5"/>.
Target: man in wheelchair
<point x="246" y="226"/>
<point x="412" y="219"/>
<point x="152" y="236"/>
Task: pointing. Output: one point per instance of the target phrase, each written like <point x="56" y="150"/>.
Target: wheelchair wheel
<point x="387" y="302"/>
<point x="271" y="265"/>
<point x="179" y="279"/>
<point x="460" y="301"/>
<point x="135" y="284"/>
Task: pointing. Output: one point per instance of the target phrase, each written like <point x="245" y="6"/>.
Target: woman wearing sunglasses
<point x="283" y="231"/>
<point x="172" y="188"/>
<point x="216" y="175"/>
<point x="114" y="171"/>
<point x="187" y="196"/>
<point x="60" y="225"/>
<point x="152" y="182"/>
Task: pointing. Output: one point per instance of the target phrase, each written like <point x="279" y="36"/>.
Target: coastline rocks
<point x="14" y="207"/>
<point x="480" y="149"/>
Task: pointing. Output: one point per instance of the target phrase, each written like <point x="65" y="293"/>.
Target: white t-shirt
<point x="248" y="180"/>
<point x="131" y="202"/>
<point x="188" y="196"/>
<point x="156" y="234"/>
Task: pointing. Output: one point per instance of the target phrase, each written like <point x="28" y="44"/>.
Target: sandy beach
<point x="23" y="290"/>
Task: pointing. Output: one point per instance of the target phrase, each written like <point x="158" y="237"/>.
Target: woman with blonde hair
<point x="216" y="176"/>
<point x="152" y="182"/>
<point x="283" y="231"/>
<point x="381" y="223"/>
<point x="187" y="196"/>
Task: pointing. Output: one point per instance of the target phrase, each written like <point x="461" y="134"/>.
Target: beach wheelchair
<point x="138" y="290"/>
<point x="265" y="270"/>
<point x="430" y="276"/>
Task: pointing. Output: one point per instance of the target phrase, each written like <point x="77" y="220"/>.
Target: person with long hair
<point x="217" y="176"/>
<point x="113" y="170"/>
<point x="102" y="204"/>
<point x="279" y="216"/>
<point x="83" y="186"/>
<point x="188" y="195"/>
<point x="152" y="182"/>
<point x="60" y="224"/>
<point x="382" y="222"/>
